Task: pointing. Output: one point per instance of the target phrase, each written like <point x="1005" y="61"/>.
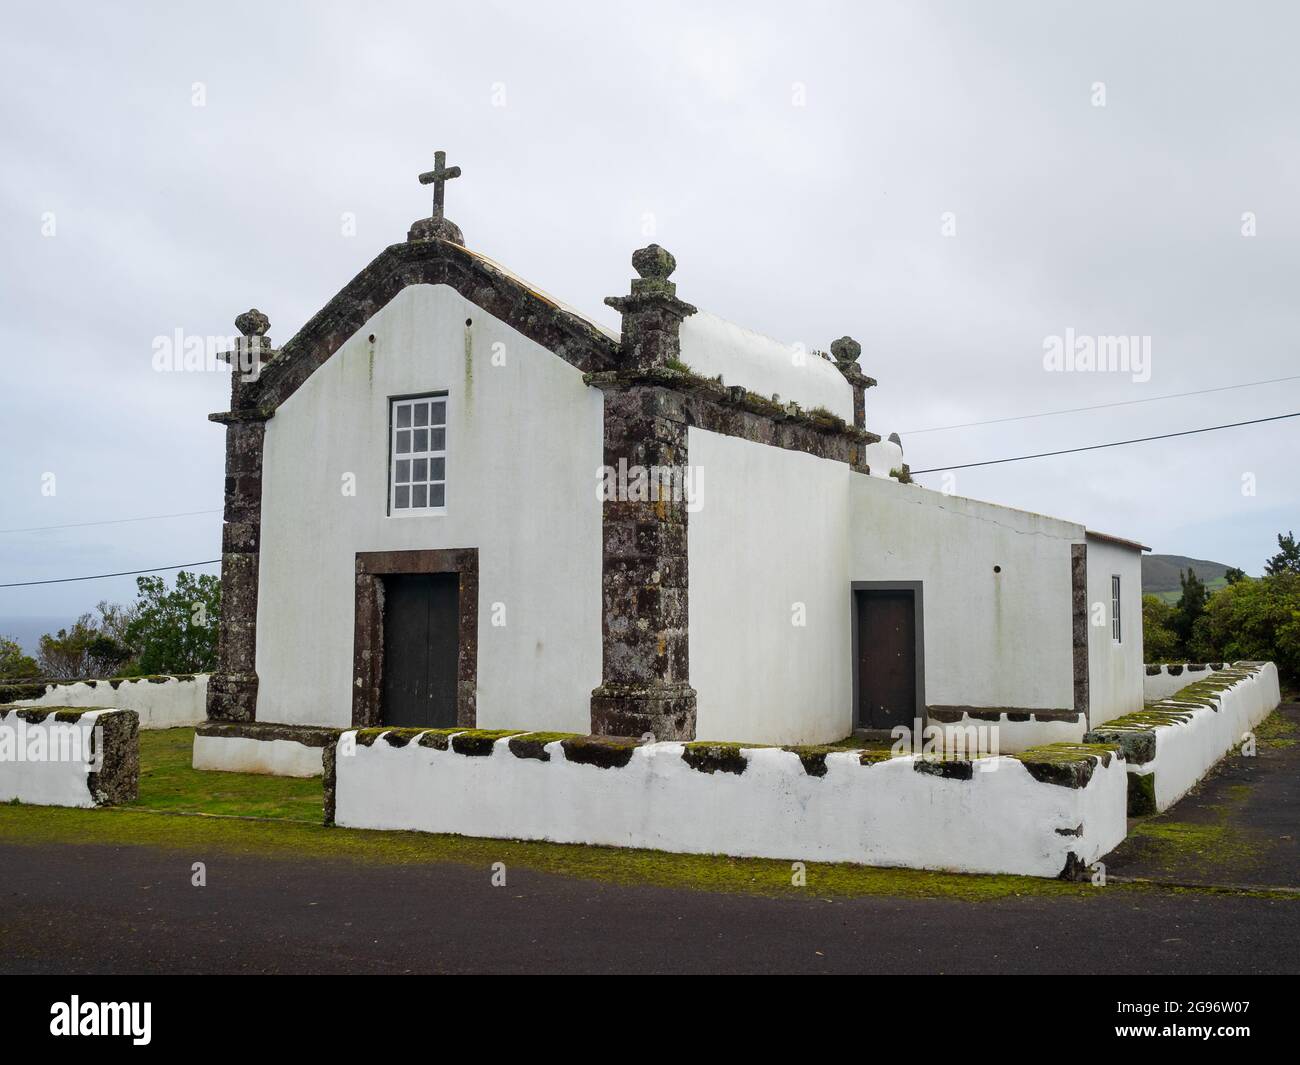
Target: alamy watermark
<point x="53" y="741"/>
<point x="630" y="483"/>
<point x="183" y="352"/>
<point x="1077" y="353"/>
<point x="956" y="742"/>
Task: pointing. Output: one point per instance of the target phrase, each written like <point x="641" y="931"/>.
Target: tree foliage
<point x="87" y="649"/>
<point x="14" y="665"/>
<point x="1159" y="641"/>
<point x="1253" y="619"/>
<point x="175" y="631"/>
<point x="1190" y="606"/>
<point x="1287" y="560"/>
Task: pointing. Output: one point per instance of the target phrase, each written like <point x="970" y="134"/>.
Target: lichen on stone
<point x="479" y="742"/>
<point x="1069" y="765"/>
<point x="604" y="752"/>
<point x="711" y="757"/>
<point x="534" y="744"/>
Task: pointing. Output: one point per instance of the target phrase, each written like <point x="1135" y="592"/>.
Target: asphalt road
<point x="131" y="909"/>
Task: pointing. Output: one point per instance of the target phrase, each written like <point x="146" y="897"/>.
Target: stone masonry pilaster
<point x="645" y="686"/>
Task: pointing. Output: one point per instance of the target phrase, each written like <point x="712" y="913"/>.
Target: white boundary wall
<point x="242" y="754"/>
<point x="1164" y="684"/>
<point x="160" y="702"/>
<point x="50" y="780"/>
<point x="1186" y="752"/>
<point x="1002" y="820"/>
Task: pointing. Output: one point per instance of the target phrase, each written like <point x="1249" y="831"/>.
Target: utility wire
<point x="932" y="469"/>
<point x="1113" y="443"/>
<point x="111" y="521"/>
<point x="101" y="576"/>
<point x="1099" y="406"/>
<point x="908" y="432"/>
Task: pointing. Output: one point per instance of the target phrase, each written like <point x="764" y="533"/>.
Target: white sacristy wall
<point x="524" y="447"/>
<point x="1001" y="820"/>
<point x="992" y="639"/>
<point x="767" y="548"/>
<point x="711" y="346"/>
<point x="810" y="528"/>
<point x="1115" y="669"/>
<point x="161" y="702"/>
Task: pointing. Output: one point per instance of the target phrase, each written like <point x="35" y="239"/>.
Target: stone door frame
<point x="368" y="627"/>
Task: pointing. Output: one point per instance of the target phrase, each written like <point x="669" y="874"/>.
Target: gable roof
<point x="572" y="337"/>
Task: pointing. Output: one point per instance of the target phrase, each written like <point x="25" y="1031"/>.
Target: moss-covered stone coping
<point x="680" y="377"/>
<point x="604" y="752"/>
<point x="14" y="690"/>
<point x="534" y="744"/>
<point x="1068" y="765"/>
<point x="35" y="715"/>
<point x="710" y="757"/>
<point x="1135" y="733"/>
<point x="945" y="769"/>
<point x="307" y="735"/>
<point x="479" y="742"/>
<point x="813" y="756"/>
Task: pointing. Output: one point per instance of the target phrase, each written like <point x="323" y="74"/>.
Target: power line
<point x="932" y="469"/>
<point x="101" y="576"/>
<point x="1113" y="443"/>
<point x="111" y="521"/>
<point x="1100" y="406"/>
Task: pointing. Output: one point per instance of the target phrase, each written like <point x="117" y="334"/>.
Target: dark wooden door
<point x="421" y="646"/>
<point x="886" y="658"/>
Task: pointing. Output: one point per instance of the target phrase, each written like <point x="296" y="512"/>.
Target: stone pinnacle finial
<point x="654" y="262"/>
<point x="437" y="227"/>
<point x="846" y="350"/>
<point x="654" y="265"/>
<point x="651" y="312"/>
<point x="253" y="323"/>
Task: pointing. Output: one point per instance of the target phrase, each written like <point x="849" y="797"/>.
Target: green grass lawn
<point x="167" y="782"/>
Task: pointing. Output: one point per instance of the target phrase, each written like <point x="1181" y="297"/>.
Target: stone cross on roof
<point x="438" y="177"/>
<point x="437" y="227"/>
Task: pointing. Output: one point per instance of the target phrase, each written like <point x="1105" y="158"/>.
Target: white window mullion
<point x="417" y="474"/>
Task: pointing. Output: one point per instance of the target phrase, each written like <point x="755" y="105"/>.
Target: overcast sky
<point x="799" y="160"/>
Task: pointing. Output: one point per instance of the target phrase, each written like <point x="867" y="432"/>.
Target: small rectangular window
<point x="1114" y="609"/>
<point x="417" y="478"/>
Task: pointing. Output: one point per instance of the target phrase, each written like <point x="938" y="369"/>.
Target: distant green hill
<point x="1160" y="574"/>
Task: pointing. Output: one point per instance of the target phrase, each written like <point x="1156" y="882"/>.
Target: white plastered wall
<point x="1115" y="670"/>
<point x="524" y="446"/>
<point x="991" y="639"/>
<point x="769" y="542"/>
